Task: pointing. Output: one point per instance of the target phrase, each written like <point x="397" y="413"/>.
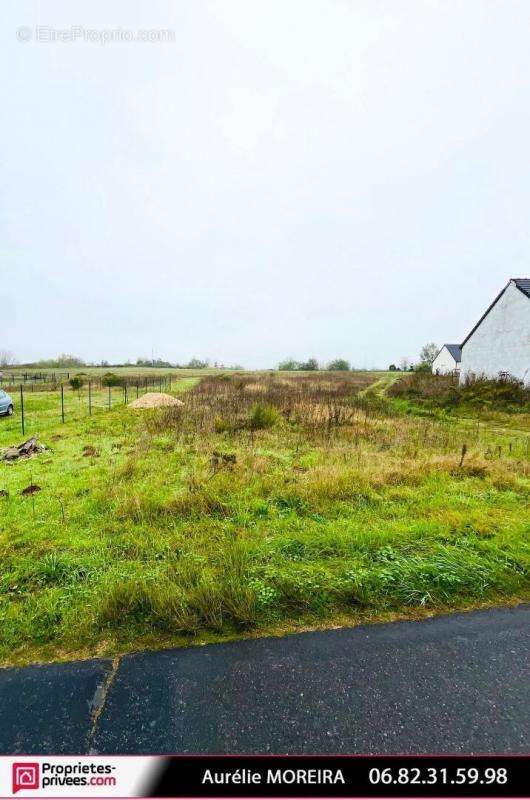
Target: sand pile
<point x="155" y="400"/>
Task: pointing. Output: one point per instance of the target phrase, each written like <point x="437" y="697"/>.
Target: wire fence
<point x="51" y="381"/>
<point x="9" y="378"/>
<point x="37" y="408"/>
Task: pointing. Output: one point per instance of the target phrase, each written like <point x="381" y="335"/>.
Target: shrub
<point x="76" y="382"/>
<point x="111" y="379"/>
<point x="263" y="416"/>
<point x="445" y="391"/>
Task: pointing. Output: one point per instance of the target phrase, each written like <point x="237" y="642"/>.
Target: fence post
<point x="22" y="408"/>
<point x="89" y="398"/>
<point x="62" y="402"/>
<point x="136" y="390"/>
<point x="126" y="394"/>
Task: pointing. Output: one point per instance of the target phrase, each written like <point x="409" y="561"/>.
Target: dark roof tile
<point x="455" y="350"/>
<point x="523" y="284"/>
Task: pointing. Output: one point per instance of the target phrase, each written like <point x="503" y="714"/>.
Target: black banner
<point x="342" y="776"/>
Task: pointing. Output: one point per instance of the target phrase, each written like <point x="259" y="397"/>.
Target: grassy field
<point x="18" y="372"/>
<point x="267" y="503"/>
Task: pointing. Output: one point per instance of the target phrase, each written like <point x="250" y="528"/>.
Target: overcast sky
<point x="284" y="178"/>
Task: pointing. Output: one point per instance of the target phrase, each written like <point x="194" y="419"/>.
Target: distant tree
<point x="310" y="365"/>
<point x="196" y="363"/>
<point x="428" y="353"/>
<point x="76" y="382"/>
<point x="404" y="364"/>
<point x="289" y="365"/>
<point x="7" y="359"/>
<point x="339" y="365"/>
<point x="69" y="360"/>
<point x="62" y="360"/>
<point x="152" y="362"/>
<point x="393" y="368"/>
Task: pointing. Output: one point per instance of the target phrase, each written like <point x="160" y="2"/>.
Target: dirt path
<point x="379" y="387"/>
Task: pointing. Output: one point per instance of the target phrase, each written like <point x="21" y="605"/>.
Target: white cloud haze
<point x="295" y="178"/>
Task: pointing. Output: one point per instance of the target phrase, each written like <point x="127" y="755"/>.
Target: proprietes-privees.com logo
<point x="32" y="775"/>
<point x="25" y="776"/>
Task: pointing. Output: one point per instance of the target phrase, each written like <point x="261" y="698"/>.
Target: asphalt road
<point x="454" y="684"/>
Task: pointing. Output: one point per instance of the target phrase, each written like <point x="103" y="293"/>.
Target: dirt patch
<point x="31" y="489"/>
<point x="155" y="400"/>
<point x="88" y="450"/>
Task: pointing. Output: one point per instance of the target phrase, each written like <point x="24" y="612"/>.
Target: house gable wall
<point x="501" y="343"/>
<point x="444" y="362"/>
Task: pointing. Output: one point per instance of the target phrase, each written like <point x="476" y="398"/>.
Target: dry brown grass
<point x="224" y="402"/>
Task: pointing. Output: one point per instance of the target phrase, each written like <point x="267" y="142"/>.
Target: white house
<point x="447" y="360"/>
<point x="499" y="344"/>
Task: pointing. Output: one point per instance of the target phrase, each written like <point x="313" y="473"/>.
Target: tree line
<point x="426" y="356"/>
<point x="311" y="365"/>
<point x="68" y="360"/>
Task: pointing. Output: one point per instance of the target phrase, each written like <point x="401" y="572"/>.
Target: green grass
<point x="43" y="413"/>
<point x="339" y="507"/>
